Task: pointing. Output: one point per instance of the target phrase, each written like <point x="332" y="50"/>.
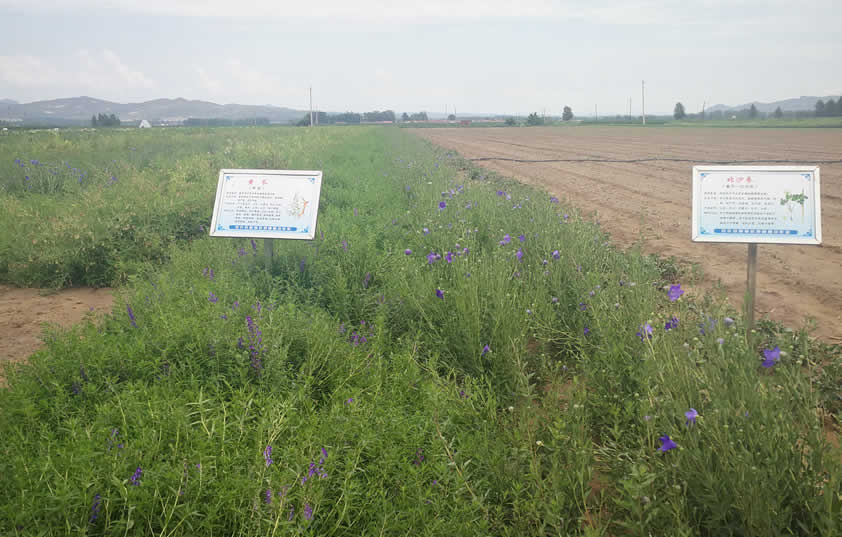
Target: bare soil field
<point x="652" y="200"/>
<point x="23" y="313"/>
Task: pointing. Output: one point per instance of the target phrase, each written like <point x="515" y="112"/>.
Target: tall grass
<point x="471" y="368"/>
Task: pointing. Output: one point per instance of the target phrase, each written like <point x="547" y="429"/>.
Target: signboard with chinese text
<point x="268" y="204"/>
<point x="771" y="204"/>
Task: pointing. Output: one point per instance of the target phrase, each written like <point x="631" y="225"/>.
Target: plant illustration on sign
<point x="789" y="199"/>
<point x="298" y="206"/>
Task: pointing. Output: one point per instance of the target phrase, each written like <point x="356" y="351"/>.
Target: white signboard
<point x="268" y="204"/>
<point x="772" y="204"/>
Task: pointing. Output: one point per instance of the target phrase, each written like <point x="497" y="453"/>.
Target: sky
<point x="474" y="56"/>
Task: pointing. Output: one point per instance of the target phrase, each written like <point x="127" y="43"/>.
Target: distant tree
<point x="93" y="120"/>
<point x="839" y="106"/>
<point x="420" y="116"/>
<point x="567" y="114"/>
<point x="510" y="121"/>
<point x="820" y="112"/>
<point x="115" y="121"/>
<point x="534" y="119"/>
<point x="404" y="117"/>
<point x="830" y="108"/>
<point x="752" y="112"/>
<point x="678" y="112"/>
<point x="451" y="117"/>
<point x="779" y="113"/>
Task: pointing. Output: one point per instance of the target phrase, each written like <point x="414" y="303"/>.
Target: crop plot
<point x="651" y="199"/>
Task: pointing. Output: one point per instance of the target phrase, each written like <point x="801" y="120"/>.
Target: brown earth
<point x="23" y="313"/>
<point x="652" y="200"/>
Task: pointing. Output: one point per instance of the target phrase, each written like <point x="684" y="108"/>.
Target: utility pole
<point x="643" y="99"/>
<point x="595" y="114"/>
<point x="630" y="110"/>
<point x="311" y="106"/>
<point x="703" y="109"/>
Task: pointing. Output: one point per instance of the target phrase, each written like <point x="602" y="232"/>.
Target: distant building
<point x="144" y="125"/>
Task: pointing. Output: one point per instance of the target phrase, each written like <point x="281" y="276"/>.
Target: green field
<point x="454" y="354"/>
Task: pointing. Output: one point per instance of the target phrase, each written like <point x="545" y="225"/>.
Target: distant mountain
<point x="80" y="110"/>
<point x="8" y="101"/>
<point x="787" y="105"/>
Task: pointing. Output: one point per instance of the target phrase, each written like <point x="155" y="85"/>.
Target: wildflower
<point x="255" y="344"/>
<point x="556" y="254"/>
<point x="691" y="416"/>
<point x="426" y="231"/>
<point x="308" y="511"/>
<point x="136" y="476"/>
<point x="349" y="400"/>
<point x="554" y="300"/>
<point x="408" y="251"/>
<point x="449" y="257"/>
<point x="647" y="417"/>
<point x="485" y="350"/>
<point x="345" y="245"/>
<point x="587" y="330"/>
<point x="366" y="280"/>
<point x="267" y="455"/>
<point x="528" y="311"/>
<point x="566" y="216"/>
<point x="419" y="457"/>
<point x="212" y="298"/>
<point x="519" y="255"/>
<point x="442" y="205"/>
<point x="720" y="340"/>
<point x="302" y="264"/>
<point x="431" y="258"/>
<point x="440" y="294"/>
<point x="728" y="321"/>
<point x="356" y="213"/>
<point x="291" y="512"/>
<point x="645" y="332"/>
<point x="582" y="306"/>
<point x="522" y="238"/>
<point x="241" y="252"/>
<point x="506" y="240"/>
<point x="666" y="443"/>
<point x="131" y="315"/>
<point x="675" y="292"/>
<point x="95" y="509"/>
<point x="500" y="192"/>
<point x="268" y="496"/>
<point x="771" y="356"/>
<point x="324" y="454"/>
<point x="672" y="323"/>
<point x="254" y="246"/>
<point x="553" y="199"/>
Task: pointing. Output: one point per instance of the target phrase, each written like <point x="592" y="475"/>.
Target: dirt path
<point x="653" y="200"/>
<point x="23" y="311"/>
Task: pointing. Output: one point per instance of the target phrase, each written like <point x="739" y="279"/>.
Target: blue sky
<point x="477" y="56"/>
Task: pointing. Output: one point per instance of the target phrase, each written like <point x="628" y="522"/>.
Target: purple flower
<point x="440" y="294"/>
<point x="554" y="300"/>
<point x="556" y="254"/>
<point x="255" y="344"/>
<point x="522" y="238"/>
<point x="519" y="255"/>
<point x="691" y="416"/>
<point x="426" y="231"/>
<point x="324" y="454"/>
<point x="485" y="350"/>
<point x="356" y="213"/>
<point x="268" y="496"/>
<point x="675" y="292"/>
<point x="212" y="298"/>
<point x="449" y="257"/>
<point x="528" y="311"/>
<point x="345" y="245"/>
<point x="291" y="513"/>
<point x="408" y="251"/>
<point x="95" y="509"/>
<point x="587" y="330"/>
<point x="431" y="258"/>
<point x="308" y="512"/>
<point x="666" y="443"/>
<point x="506" y="240"/>
<point x="136" y="476"/>
<point x="254" y="246"/>
<point x="442" y="205"/>
<point x="720" y="340"/>
<point x="645" y="332"/>
<point x="728" y="321"/>
<point x="366" y="280"/>
<point x="131" y="315"/>
<point x="553" y="199"/>
<point x="672" y="323"/>
<point x="267" y="455"/>
<point x="582" y="306"/>
<point x="349" y="400"/>
<point x="500" y="192"/>
<point x="771" y="356"/>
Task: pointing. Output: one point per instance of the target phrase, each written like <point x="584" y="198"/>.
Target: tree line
<point x="831" y="108"/>
<point x="323" y="118"/>
<point x="101" y="120"/>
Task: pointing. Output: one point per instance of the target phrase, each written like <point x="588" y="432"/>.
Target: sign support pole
<point x="751" y="285"/>
<point x="269" y="251"/>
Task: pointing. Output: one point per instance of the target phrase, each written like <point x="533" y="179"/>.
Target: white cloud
<point x="84" y="71"/>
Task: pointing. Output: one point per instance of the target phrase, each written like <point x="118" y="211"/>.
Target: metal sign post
<point x="756" y="204"/>
<point x="268" y="205"/>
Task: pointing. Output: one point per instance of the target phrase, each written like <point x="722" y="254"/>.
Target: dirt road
<point x="653" y="200"/>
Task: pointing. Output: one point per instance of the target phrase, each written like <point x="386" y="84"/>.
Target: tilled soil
<point x="652" y="200"/>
